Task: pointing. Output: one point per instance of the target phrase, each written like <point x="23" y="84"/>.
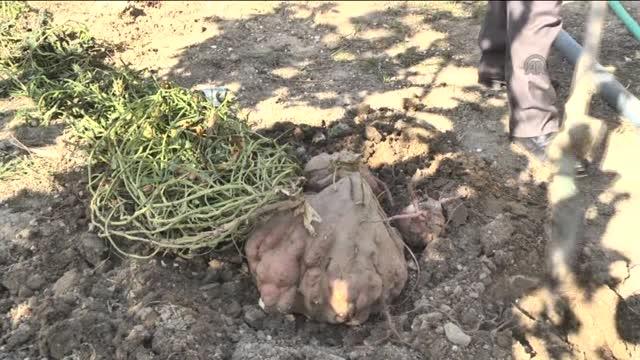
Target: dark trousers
<point x="524" y="31"/>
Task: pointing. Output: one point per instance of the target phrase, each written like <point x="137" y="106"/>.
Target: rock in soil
<point x="455" y="211"/>
<point x="233" y="309"/>
<point x="5" y="305"/>
<point x="503" y="339"/>
<point x="148" y="316"/>
<point x="456" y="335"/>
<point x="93" y="248"/>
<point x="426" y="321"/>
<point x="13" y="279"/>
<point x="66" y="283"/>
<point x="36" y="282"/>
<point x="318" y="138"/>
<point x="339" y="130"/>
<point x="254" y="316"/>
<point x="364" y="109"/>
<point x="21" y="335"/>
<point x="372" y="134"/>
<point x="470" y="317"/>
<point x="496" y="233"/>
<point x="521" y="284"/>
<point x="298" y="134"/>
<point x="59" y="339"/>
<point x="254" y="350"/>
<point x="27" y="233"/>
<point x="301" y="152"/>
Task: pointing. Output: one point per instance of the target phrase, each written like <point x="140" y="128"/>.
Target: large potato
<point x="353" y="266"/>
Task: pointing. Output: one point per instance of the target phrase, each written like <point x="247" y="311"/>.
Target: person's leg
<point x="532" y="26"/>
<point x="493" y="44"/>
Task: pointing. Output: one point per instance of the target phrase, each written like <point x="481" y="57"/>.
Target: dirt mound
<point x="139" y="309"/>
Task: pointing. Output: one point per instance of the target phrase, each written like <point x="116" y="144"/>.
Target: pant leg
<point x="493" y="42"/>
<point x="532" y="26"/>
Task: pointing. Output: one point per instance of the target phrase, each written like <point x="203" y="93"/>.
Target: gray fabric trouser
<point x="524" y="31"/>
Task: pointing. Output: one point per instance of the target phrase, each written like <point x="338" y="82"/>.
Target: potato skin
<point x="351" y="268"/>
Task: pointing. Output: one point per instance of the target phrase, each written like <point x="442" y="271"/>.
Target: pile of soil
<point x="64" y="293"/>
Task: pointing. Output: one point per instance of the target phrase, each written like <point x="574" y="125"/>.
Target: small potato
<point x="424" y="223"/>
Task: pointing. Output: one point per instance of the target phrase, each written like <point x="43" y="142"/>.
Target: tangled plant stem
<point x="166" y="167"/>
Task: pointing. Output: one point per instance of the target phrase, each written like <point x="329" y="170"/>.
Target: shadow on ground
<point x="428" y="141"/>
<point x="289" y="69"/>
